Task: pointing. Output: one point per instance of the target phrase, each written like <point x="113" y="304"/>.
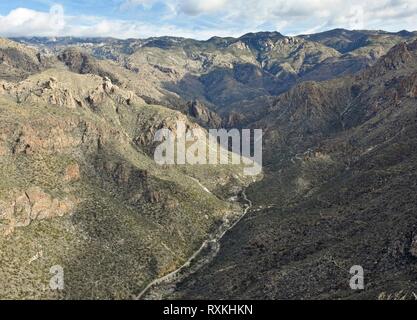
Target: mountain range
<point x="79" y="187"/>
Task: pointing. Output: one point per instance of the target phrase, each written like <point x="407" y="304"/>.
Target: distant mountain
<point x="223" y="72"/>
<point x="346" y="41"/>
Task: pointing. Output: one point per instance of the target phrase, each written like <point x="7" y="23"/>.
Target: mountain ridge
<point x="80" y="187"/>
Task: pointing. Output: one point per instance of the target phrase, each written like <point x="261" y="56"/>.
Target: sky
<point x="199" y="19"/>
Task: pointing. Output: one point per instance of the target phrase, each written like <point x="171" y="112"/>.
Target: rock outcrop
<point x="33" y="204"/>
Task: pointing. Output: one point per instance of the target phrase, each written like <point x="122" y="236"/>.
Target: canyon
<point x="79" y="183"/>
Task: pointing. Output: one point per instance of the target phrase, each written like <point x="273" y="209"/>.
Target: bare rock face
<point x="44" y="91"/>
<point x="72" y="172"/>
<point x="154" y="196"/>
<point x="3" y="87"/>
<point x="27" y="140"/>
<point x="234" y="119"/>
<point x="108" y="85"/>
<point x="28" y="206"/>
<point x="81" y="62"/>
<point x="203" y="115"/>
<point x="147" y="130"/>
<point x="4" y="150"/>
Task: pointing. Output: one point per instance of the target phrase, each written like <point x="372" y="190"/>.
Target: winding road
<point x="161" y="286"/>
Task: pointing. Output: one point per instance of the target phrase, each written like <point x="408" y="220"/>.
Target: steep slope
<point x="18" y="61"/>
<point x="226" y="74"/>
<point x="225" y="70"/>
<point x="80" y="188"/>
<point x="339" y="191"/>
<point x="346" y="41"/>
<point x="222" y="73"/>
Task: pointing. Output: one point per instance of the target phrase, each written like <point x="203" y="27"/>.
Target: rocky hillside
<point x="225" y="74"/>
<point x="80" y="188"/>
<point x="339" y="191"/>
<point x="18" y="61"/>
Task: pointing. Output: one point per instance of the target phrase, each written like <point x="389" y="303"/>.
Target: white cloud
<point x="195" y="7"/>
<point x="26" y="22"/>
<point x="22" y="21"/>
<point x="203" y="19"/>
<point x="302" y="14"/>
<point x="133" y="3"/>
<point x="131" y="29"/>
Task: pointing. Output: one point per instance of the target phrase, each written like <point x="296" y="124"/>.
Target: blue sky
<point x="199" y="19"/>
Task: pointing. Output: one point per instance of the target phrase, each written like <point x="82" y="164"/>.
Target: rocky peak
<point x="77" y="60"/>
<point x="203" y="115"/>
<point x="401" y="56"/>
<point x="82" y="62"/>
<point x="261" y="41"/>
<point x="17" y="62"/>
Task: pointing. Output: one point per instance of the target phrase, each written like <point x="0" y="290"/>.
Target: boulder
<point x="72" y="172"/>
